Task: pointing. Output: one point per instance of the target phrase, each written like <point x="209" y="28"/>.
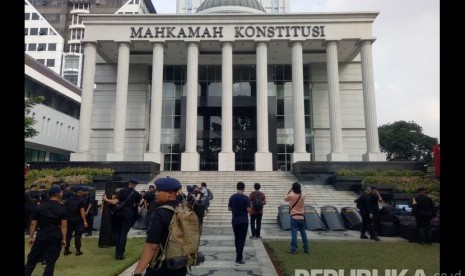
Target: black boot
<point x="79" y="252"/>
<point x="66" y="252"/>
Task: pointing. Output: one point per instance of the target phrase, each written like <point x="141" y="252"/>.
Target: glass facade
<point x="280" y="111"/>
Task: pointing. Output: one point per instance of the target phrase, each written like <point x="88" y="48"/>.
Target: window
<point x="72" y="78"/>
<point x="50" y="62"/>
<point x="43" y="31"/>
<point x="41" y="60"/>
<point x="41" y="47"/>
<point x="33" y="31"/>
<point x="52" y="47"/>
<point x="32" y="47"/>
<point x="52" y="32"/>
<point x="136" y="2"/>
<point x="35" y="16"/>
<point x="72" y="62"/>
<point x="26" y="31"/>
<point x="25" y="47"/>
<point x="27" y="16"/>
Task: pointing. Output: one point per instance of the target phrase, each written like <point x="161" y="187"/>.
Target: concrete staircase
<point x="274" y="184"/>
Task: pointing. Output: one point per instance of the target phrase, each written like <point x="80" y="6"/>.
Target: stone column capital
<point x="362" y="42"/>
<point x="261" y="43"/>
<point x="327" y="43"/>
<point x="296" y="42"/>
<point x="122" y="43"/>
<point x="226" y="43"/>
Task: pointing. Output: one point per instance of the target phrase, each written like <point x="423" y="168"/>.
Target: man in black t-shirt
<point x="423" y="210"/>
<point x="75" y="206"/>
<point x="126" y="216"/>
<point x="50" y="220"/>
<point x="157" y="231"/>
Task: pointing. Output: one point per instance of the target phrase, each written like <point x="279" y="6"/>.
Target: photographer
<point x="296" y="200"/>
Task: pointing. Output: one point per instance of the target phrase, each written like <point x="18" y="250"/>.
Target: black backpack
<point x="257" y="203"/>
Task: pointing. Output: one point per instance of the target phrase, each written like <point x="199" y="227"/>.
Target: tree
<point x="29" y="121"/>
<point x="403" y="140"/>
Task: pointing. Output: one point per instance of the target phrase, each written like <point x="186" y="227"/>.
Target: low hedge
<point x="404" y="181"/>
<point x="67" y="175"/>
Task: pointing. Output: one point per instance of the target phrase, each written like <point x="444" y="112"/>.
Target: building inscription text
<point x="238" y="32"/>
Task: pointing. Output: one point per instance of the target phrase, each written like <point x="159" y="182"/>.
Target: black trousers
<point x="256" y="224"/>
<point x="90" y="222"/>
<point x="78" y="229"/>
<point x="424" y="229"/>
<point x="122" y="226"/>
<point x="367" y="224"/>
<point x="240" y="234"/>
<point x="48" y="250"/>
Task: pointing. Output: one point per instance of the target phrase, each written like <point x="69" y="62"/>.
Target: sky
<point x="405" y="55"/>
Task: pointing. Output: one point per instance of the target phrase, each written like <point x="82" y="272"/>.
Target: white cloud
<point x="405" y="55"/>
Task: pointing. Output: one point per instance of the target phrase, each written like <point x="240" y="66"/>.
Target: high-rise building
<point x="41" y="40"/>
<point x="64" y="17"/>
<point x="269" y="6"/>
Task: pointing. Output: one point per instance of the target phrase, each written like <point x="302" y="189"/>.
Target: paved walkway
<point x="217" y="244"/>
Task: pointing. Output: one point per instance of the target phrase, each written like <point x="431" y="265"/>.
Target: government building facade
<point x="228" y="88"/>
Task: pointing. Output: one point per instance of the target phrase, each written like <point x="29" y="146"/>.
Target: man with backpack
<point x="257" y="200"/>
<point x="158" y="229"/>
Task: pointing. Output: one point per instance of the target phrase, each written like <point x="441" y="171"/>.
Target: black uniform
<point x="75" y="223"/>
<point x="31" y="200"/>
<point x="48" y="240"/>
<point x="423" y="210"/>
<point x="365" y="205"/>
<point x="90" y="199"/>
<point x="374" y="201"/>
<point x="157" y="233"/>
<point x="149" y="197"/>
<point x="125" y="219"/>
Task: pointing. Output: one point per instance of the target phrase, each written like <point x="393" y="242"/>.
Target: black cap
<point x="55" y="189"/>
<point x="134" y="181"/>
<point x="421" y="189"/>
<point x="167" y="184"/>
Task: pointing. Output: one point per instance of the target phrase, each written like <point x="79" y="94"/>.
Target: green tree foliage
<point x="405" y="141"/>
<point x="29" y="121"/>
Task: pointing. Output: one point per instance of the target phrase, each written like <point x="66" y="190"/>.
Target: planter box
<point x="347" y="183"/>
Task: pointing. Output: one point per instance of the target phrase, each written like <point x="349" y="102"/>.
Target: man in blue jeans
<point x="296" y="200"/>
<point x="239" y="204"/>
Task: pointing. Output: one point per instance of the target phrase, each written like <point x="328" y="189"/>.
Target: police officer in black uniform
<point x="126" y="217"/>
<point x="423" y="210"/>
<point x="149" y="203"/>
<point x="50" y="220"/>
<point x="157" y="231"/>
<point x="89" y="205"/>
<point x="75" y="206"/>
<point x="375" y="199"/>
<point x="32" y="200"/>
<point x="367" y="209"/>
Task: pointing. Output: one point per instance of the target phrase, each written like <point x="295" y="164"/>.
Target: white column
<point x="226" y="158"/>
<point x="154" y="154"/>
<point x="121" y="103"/>
<point x="369" y="101"/>
<point x="263" y="157"/>
<point x="300" y="153"/>
<point x="190" y="159"/>
<point x="337" y="153"/>
<point x="87" y="99"/>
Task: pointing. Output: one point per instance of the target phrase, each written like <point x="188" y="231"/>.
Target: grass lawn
<point x="95" y="261"/>
<point x="356" y="255"/>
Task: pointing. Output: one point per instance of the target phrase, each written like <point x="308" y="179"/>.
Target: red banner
<point x="436" y="154"/>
